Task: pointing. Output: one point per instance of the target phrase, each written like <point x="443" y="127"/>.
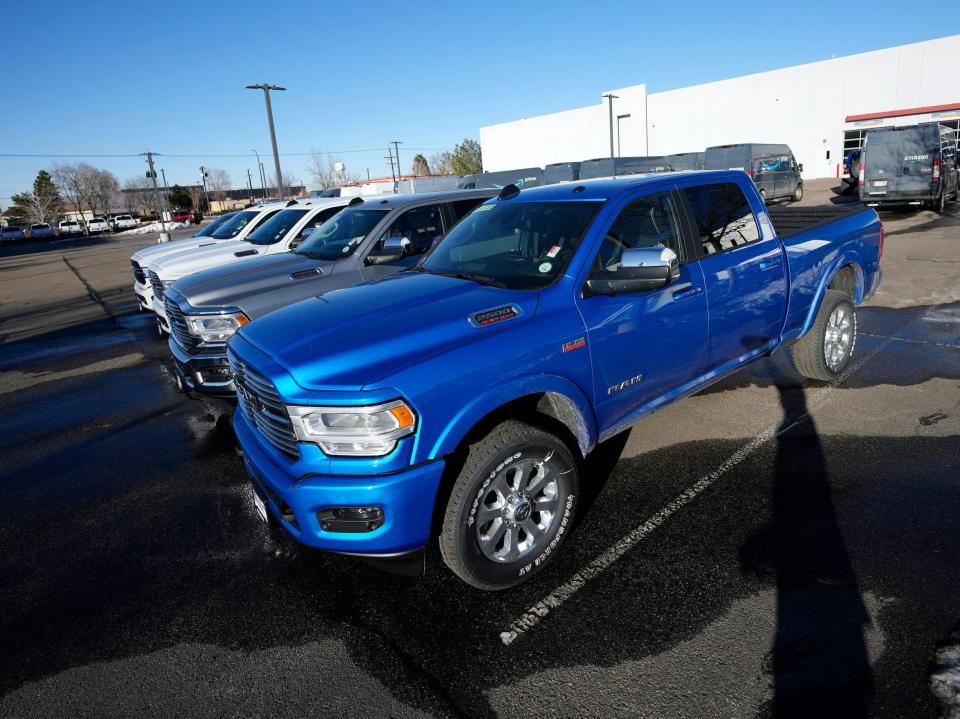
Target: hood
<point x="188" y="261"/>
<point x="350" y="338"/>
<point x="155" y="251"/>
<point x="229" y="285"/>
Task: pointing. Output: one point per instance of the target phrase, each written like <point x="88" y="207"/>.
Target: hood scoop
<point x="244" y="253"/>
<point x="494" y="315"/>
<point x="306" y="274"/>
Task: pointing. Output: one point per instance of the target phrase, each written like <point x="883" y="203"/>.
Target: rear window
<point x="723" y="215"/>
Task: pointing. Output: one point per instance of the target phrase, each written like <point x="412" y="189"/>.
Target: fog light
<point x="214" y="374"/>
<point x="350" y="519"/>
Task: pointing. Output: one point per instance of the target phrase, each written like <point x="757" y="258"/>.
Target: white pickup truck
<point x="97" y="225"/>
<point x="224" y="228"/>
<point x="123" y="222"/>
<point x="282" y="232"/>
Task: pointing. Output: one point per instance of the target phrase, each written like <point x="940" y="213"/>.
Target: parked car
<point x="41" y="231"/>
<point x="69" y="228"/>
<point x="97" y="225"/>
<point x="141" y="258"/>
<point x="364" y="241"/>
<point x="561" y="172"/>
<point x="619" y="166"/>
<point x="234" y="230"/>
<point x="11" y="233"/>
<point x="466" y="391"/>
<point x="909" y="166"/>
<point x="773" y="168"/>
<point x="525" y="177"/>
<point x="118" y="223"/>
<point x="182" y="216"/>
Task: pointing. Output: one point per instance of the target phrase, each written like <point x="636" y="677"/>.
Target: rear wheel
<point x="941" y="204"/>
<point x="825" y="351"/>
<point x="511" y="505"/>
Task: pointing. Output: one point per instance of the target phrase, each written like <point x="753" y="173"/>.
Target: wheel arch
<point x="846" y="275"/>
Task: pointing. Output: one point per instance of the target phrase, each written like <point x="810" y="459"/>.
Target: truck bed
<point x="789" y="221"/>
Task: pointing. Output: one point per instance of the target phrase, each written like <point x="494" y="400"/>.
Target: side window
<point x="723" y="216"/>
<point x="421" y="225"/>
<point x="262" y="220"/>
<point x="646" y="222"/>
<point x="461" y="208"/>
<point x="313" y="223"/>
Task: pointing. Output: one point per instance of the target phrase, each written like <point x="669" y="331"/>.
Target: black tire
<point x="512" y="452"/>
<point x="798" y="193"/>
<point x="809" y="353"/>
<point x="940" y="205"/>
<point x="763" y="195"/>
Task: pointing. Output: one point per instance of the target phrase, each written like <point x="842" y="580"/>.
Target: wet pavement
<point x="768" y="547"/>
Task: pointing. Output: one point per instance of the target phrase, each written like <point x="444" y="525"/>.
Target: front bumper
<point x="144" y="295"/>
<point x="202" y="372"/>
<point x="406" y="497"/>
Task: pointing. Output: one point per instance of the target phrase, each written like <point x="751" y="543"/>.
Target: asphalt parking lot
<point x="769" y="547"/>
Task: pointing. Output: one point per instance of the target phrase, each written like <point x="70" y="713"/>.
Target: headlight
<point x="354" y="431"/>
<point x="216" y="329"/>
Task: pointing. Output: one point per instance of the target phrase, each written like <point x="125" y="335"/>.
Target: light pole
<point x="273" y="135"/>
<point x="396" y="152"/>
<point x="611" y="97"/>
<point x="263" y="182"/>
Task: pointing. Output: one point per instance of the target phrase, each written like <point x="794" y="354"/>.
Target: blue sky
<point x="108" y="78"/>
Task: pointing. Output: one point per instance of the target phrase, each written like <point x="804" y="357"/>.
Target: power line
<point x="169" y="154"/>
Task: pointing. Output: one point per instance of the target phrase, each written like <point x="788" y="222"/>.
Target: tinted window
<point x="233" y="226"/>
<point x="276" y="228"/>
<point x="520" y="245"/>
<point x="342" y="234"/>
<point x="461" y="208"/>
<point x="214" y="224"/>
<point x="313" y="224"/>
<point x="647" y="222"/>
<point x="421" y="225"/>
<point x="723" y="216"/>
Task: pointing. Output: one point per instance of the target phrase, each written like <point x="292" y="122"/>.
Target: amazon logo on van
<point x="916" y="158"/>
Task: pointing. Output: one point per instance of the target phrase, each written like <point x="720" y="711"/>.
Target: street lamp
<point x="611" y="97"/>
<point x="273" y="135"/>
<point x="263" y="180"/>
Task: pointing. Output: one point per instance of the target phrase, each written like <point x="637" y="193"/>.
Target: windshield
<point x="276" y="228"/>
<point x="341" y="235"/>
<point x="519" y="245"/>
<point x="214" y="224"/>
<point x="233" y="226"/>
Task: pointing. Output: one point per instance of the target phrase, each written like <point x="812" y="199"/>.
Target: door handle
<point x="683" y="293"/>
<point x="769" y="264"/>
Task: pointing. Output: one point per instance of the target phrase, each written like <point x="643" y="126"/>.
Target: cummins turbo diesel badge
<point x="492" y="316"/>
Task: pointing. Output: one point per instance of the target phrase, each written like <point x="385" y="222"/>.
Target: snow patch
<point x="155" y="227"/>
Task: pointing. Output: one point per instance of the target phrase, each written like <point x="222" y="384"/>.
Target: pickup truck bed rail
<point x="790" y="221"/>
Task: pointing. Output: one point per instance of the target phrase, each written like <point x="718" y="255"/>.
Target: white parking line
<point x="538" y="611"/>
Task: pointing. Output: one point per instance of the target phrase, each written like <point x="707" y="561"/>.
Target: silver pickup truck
<point x="366" y="240"/>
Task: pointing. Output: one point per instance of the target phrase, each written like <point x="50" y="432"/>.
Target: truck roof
<point x="606" y="187"/>
<point x="390" y="201"/>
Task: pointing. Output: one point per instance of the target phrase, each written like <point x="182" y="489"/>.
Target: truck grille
<point x="138" y="276"/>
<point x="156" y="284"/>
<point x="262" y="406"/>
<point x="178" y="326"/>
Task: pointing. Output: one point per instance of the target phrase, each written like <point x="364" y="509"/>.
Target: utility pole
<point x="393" y="175"/>
<point x="250" y="185"/>
<point x="203" y="181"/>
<point x="611" y="97"/>
<point x="152" y="174"/>
<point x="273" y="135"/>
<point x="166" y="190"/>
<point x="396" y="151"/>
<point x="263" y="181"/>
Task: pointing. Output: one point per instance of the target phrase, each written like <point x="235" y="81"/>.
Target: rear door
<point x="916" y="165"/>
<point x="645" y="344"/>
<point x="744" y="273"/>
<point x="881" y="169"/>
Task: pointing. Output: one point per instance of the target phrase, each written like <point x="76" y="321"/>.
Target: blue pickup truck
<point x="458" y="399"/>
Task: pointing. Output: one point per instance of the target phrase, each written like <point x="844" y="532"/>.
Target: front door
<point x="644" y="344"/>
<point x="744" y="272"/>
<point x="421" y="225"/>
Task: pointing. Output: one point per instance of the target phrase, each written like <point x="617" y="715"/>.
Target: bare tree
<point x="39" y="208"/>
<point x="103" y="190"/>
<point x="72" y="184"/>
<point x="139" y="195"/>
<point x="289" y="182"/>
<point x="441" y="163"/>
<point x="218" y="180"/>
<point x="323" y="169"/>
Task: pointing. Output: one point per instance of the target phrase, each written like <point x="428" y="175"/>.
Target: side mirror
<point x="640" y="269"/>
<point x="800" y="167"/>
<point x="394" y="248"/>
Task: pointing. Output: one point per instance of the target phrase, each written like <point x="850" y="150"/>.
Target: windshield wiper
<point x="487" y="280"/>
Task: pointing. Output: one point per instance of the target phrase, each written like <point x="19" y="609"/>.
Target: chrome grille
<point x="262" y="406"/>
<point x="178" y="326"/>
<point x="138" y="276"/>
<point x="156" y="284"/>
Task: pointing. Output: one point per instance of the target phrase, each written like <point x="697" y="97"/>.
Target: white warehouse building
<point x="820" y="109"/>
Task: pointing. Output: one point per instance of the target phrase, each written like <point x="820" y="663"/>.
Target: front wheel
<point x="798" y="194"/>
<point x="511" y="506"/>
<point x="825" y="351"/>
